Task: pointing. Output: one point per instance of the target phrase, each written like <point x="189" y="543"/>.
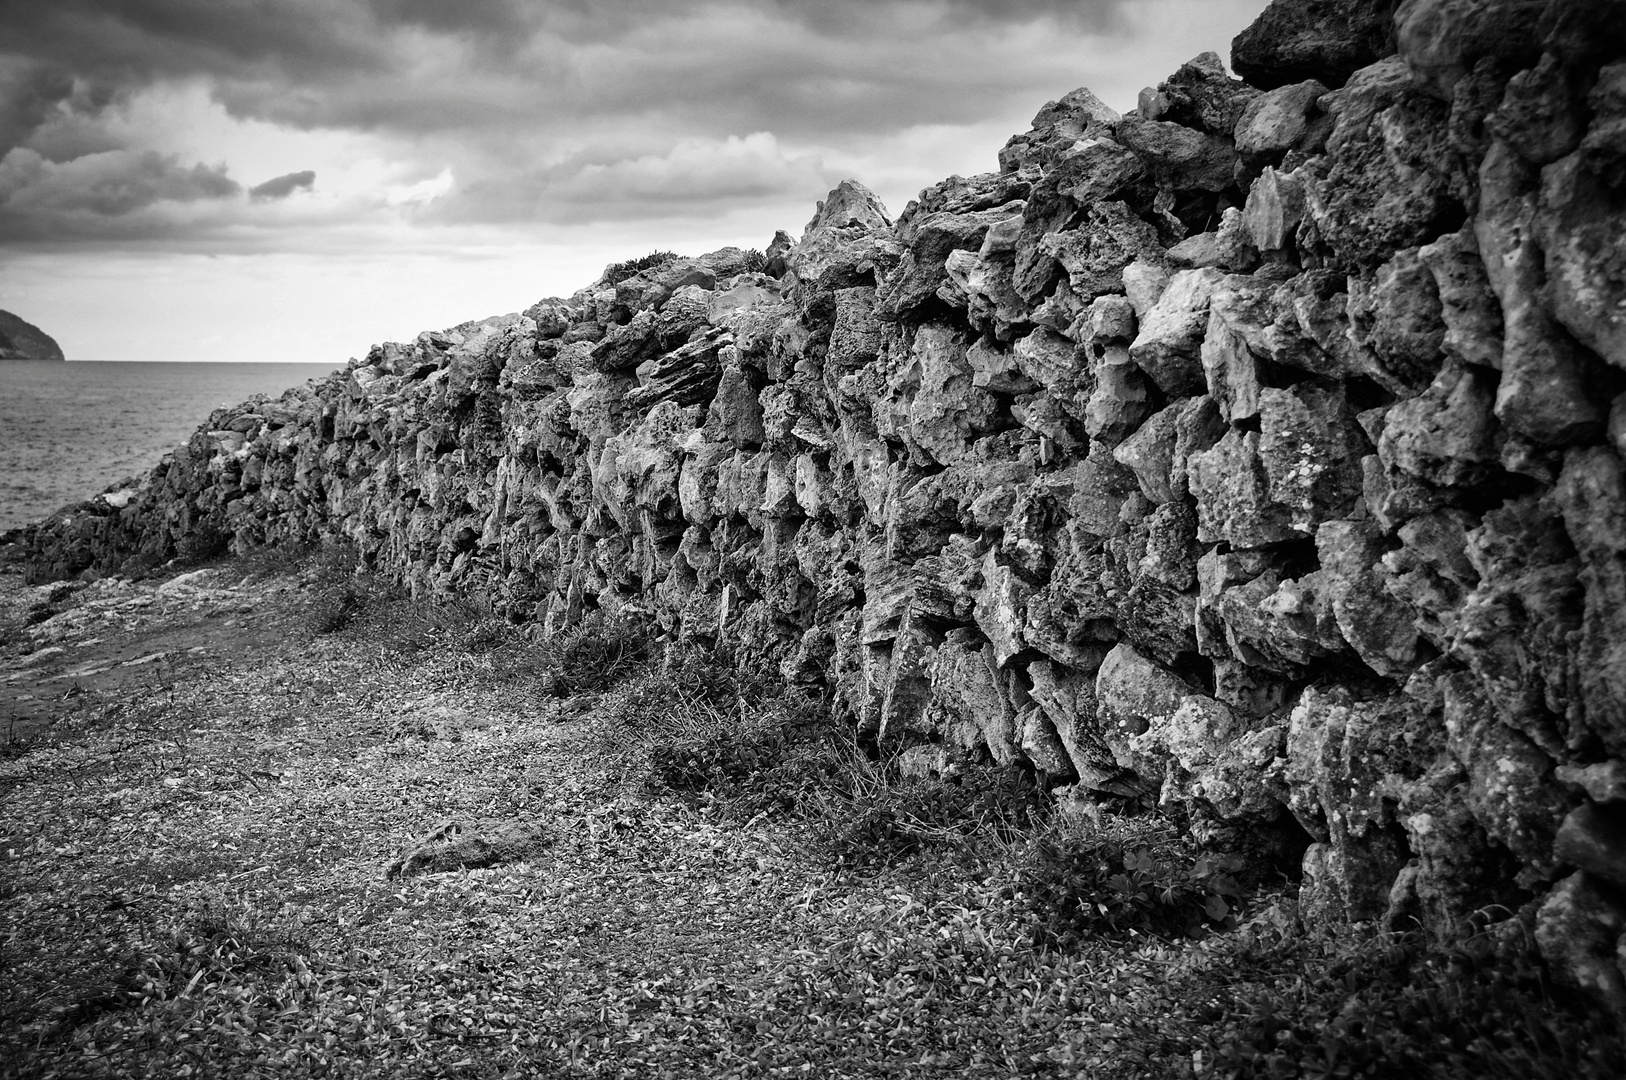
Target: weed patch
<point x="594" y="655"/>
<point x="1080" y="888"/>
<point x="616" y="273"/>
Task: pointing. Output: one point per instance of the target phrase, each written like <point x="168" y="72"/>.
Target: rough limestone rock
<point x="1327" y="40"/>
<point x="1261" y="452"/>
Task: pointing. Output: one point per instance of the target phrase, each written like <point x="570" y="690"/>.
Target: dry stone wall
<point x="1259" y="452"/>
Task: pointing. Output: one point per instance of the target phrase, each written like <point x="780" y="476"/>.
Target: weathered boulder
<point x="1329" y="40"/>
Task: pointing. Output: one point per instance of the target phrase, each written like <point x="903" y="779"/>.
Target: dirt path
<point x="195" y="840"/>
<point x="115" y="639"/>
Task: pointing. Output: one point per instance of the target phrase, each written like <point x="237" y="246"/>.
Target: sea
<point x="69" y="429"/>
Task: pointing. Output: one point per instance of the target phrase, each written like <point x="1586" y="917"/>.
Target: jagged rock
<point x="1279" y="626"/>
<point x="1201" y="95"/>
<point x="1593" y="838"/>
<point x="1542" y="113"/>
<point x="1601" y="145"/>
<point x="1120" y="399"/>
<point x="1182" y="158"/>
<point x="1457" y="869"/>
<point x="724" y="305"/>
<point x="1581" y="224"/>
<point x="1151" y="452"/>
<point x="1094" y="254"/>
<point x="1591" y="495"/>
<point x="1542" y="395"/>
<point x="1515" y="628"/>
<point x="1329" y="40"/>
<point x="1067" y="698"/>
<point x="1274" y="210"/>
<point x="1233" y="496"/>
<point x="1056" y="129"/>
<point x="1511" y="788"/>
<point x="735" y="413"/>
<point x="1398" y="315"/>
<point x="930" y="241"/>
<point x="1469" y="309"/>
<point x="1447" y="436"/>
<point x="1092" y="174"/>
<point x="1168" y="347"/>
<point x="846" y="243"/>
<point x="1310" y="447"/>
<point x="1346" y="761"/>
<point x="988" y="280"/>
<point x="1603" y="782"/>
<point x="651" y="289"/>
<point x="1388" y="178"/>
<point x="1276" y="121"/>
<point x="931" y="402"/>
<point x="1431" y="573"/>
<point x="1239" y="313"/>
<point x="1375" y="624"/>
<point x="687" y="375"/>
<point x="1144" y="282"/>
<point x="855" y="340"/>
<point x="967" y="701"/>
<point x="1442" y="40"/>
<point x="1577" y="928"/>
<point x="1230" y="247"/>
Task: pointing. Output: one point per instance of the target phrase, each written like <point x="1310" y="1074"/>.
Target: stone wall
<point x="1259" y="451"/>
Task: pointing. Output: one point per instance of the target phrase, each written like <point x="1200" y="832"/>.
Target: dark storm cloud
<point x="563" y="110"/>
<point x="106" y="193"/>
<point x="29" y="94"/>
<point x="344" y="61"/>
<point x="281" y="187"/>
<point x="110" y="183"/>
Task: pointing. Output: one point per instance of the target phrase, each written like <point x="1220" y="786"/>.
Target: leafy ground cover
<point x="194" y="857"/>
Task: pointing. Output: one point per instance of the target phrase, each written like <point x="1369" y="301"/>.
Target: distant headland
<point x="21" y="340"/>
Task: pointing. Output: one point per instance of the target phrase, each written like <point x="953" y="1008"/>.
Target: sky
<point x="294" y="180"/>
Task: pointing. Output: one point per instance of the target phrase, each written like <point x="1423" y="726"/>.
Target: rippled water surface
<point x="68" y="430"/>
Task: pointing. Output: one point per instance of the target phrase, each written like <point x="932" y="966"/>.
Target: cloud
<point x="694" y="174"/>
<point x="92" y="193"/>
<point x="281" y="187"/>
<point x="542" y="111"/>
<point x="110" y="183"/>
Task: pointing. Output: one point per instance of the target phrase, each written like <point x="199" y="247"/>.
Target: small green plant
<point x="202" y="544"/>
<point x="889" y="818"/>
<point x="616" y="273"/>
<point x="595" y="654"/>
<point x="1339" y="1006"/>
<point x="1079" y="888"/>
<point x="339" y="590"/>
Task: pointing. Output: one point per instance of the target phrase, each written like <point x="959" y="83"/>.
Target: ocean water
<point x="68" y="430"/>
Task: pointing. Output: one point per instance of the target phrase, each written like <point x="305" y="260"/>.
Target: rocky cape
<point x="1258" y="452"/>
<point x="21" y="340"/>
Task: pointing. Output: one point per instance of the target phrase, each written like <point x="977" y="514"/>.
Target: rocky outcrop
<point x="1259" y="452"/>
<point x="21" y="340"/>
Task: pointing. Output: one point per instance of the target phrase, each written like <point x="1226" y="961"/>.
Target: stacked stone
<point x="1259" y="451"/>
